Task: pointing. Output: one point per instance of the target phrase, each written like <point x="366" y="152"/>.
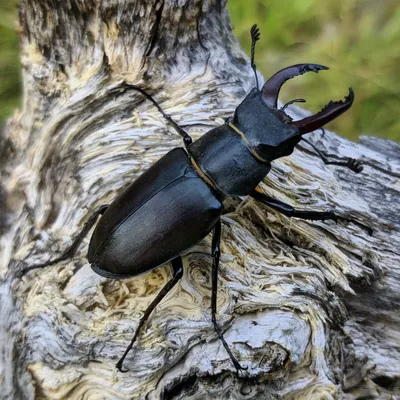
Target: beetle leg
<point x="289" y="211"/>
<point x="351" y="163"/>
<point x="216" y="240"/>
<point x="177" y="275"/>
<point x="187" y="140"/>
<point x="70" y="252"/>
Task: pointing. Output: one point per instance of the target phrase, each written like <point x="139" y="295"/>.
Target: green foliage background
<point x="358" y="39"/>
<point x="10" y="85"/>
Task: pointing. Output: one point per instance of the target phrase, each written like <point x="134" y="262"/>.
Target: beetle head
<point x="269" y="131"/>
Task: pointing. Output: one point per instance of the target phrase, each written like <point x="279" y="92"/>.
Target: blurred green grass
<point x="358" y="39"/>
<point x="10" y="81"/>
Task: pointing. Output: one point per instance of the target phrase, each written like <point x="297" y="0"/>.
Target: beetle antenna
<point x="255" y="35"/>
<point x="291" y="102"/>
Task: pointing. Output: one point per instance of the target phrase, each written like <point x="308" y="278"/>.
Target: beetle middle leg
<point x="216" y="251"/>
<point x="351" y="163"/>
<point x="177" y="275"/>
<point x="289" y="211"/>
<point x="70" y="252"/>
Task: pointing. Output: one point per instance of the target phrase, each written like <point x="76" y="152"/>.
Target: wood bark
<point x="311" y="308"/>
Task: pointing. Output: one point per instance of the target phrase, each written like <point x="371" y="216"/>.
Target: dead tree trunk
<point x="311" y="308"/>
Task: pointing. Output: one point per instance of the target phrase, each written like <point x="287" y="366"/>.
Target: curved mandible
<point x="271" y="88"/>
<point x="331" y="111"/>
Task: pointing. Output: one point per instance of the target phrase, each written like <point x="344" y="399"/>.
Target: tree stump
<point x="311" y="308"/>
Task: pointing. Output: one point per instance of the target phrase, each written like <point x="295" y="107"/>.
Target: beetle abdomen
<point x="164" y="212"/>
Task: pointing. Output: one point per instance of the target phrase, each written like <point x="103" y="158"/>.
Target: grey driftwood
<point x="311" y="308"/>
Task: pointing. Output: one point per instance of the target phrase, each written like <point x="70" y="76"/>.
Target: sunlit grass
<point x="358" y="39"/>
<point x="9" y="61"/>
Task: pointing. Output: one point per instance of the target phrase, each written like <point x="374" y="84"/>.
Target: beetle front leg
<point x="289" y="211"/>
<point x="70" y="252"/>
<point x="351" y="163"/>
<point x="177" y="275"/>
<point x="216" y="240"/>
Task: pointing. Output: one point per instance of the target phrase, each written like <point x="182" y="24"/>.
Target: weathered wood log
<point x="311" y="308"/>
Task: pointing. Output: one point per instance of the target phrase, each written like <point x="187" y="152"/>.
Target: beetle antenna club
<point x="178" y="201"/>
<point x="255" y="35"/>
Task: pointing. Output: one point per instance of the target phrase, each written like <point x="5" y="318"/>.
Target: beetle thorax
<point x="265" y="133"/>
<point x="222" y="157"/>
<point x="236" y="156"/>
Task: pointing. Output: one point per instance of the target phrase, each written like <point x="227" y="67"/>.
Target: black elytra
<point x="179" y="199"/>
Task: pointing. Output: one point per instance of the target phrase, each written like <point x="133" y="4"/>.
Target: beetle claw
<point x="239" y="367"/>
<point x="368" y="229"/>
<point x="354" y="165"/>
<point x="120" y="367"/>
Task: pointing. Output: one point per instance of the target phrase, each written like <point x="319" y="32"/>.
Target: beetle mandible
<point x="181" y="196"/>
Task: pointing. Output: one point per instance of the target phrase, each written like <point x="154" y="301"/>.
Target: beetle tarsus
<point x="366" y="228"/>
<point x="354" y="165"/>
<point x="239" y="367"/>
<point x="290" y="211"/>
<point x="350" y="163"/>
<point x="216" y="252"/>
<point x="120" y="367"/>
<point x="218" y="330"/>
<point x="177" y="275"/>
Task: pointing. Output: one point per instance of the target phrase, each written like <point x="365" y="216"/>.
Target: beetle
<point x="180" y="197"/>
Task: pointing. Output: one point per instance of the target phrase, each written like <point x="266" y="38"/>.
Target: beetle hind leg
<point x="177" y="275"/>
<point x="216" y="240"/>
<point x="70" y="252"/>
<point x="289" y="211"/>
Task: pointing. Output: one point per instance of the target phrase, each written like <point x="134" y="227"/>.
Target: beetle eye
<point x="229" y="119"/>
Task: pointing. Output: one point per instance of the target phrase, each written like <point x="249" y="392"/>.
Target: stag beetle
<point x="180" y="197"/>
